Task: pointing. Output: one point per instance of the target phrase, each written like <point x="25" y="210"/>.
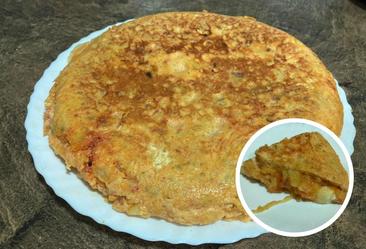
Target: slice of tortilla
<point x="305" y="165"/>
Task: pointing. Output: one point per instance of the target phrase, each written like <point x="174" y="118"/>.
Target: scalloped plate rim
<point x="191" y="237"/>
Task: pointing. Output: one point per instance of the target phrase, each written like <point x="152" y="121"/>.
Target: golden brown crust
<point x="154" y="112"/>
<point x="305" y="165"/>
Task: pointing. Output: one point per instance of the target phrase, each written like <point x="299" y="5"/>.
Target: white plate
<point x="90" y="203"/>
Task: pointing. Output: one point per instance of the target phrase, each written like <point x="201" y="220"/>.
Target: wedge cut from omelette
<point x="305" y="165"/>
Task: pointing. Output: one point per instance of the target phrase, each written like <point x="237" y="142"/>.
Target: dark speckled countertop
<point x="33" y="33"/>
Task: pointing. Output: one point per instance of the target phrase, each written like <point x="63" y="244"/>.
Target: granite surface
<point x="33" y="33"/>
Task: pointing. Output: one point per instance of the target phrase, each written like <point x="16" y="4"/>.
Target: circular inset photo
<point x="294" y="177"/>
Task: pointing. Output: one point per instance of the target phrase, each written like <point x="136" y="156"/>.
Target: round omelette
<point x="154" y="112"/>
